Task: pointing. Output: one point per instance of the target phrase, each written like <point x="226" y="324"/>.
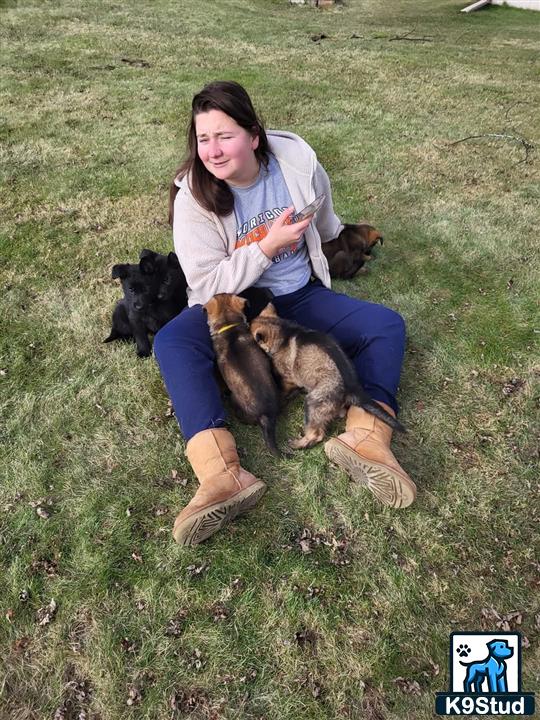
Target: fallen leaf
<point x="306" y="637"/>
<point x="513" y="385"/>
<point x="46" y="613"/>
<point x="175" y="626"/>
<point x="21" y="644"/>
<point x="313" y="592"/>
<point x="409" y="687"/>
<point x="195" y="570"/>
<point x="128" y="645"/>
<point x="197" y="661"/>
<point x="220" y="612"/>
<point x="251" y="675"/>
<point x="134" y="695"/>
<point x="45" y="564"/>
<point x="305" y="546"/>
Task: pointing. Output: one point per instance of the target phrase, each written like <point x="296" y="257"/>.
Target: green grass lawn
<point x="320" y="603"/>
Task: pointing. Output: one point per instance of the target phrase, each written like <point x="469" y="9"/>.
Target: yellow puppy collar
<point x="227" y="327"/>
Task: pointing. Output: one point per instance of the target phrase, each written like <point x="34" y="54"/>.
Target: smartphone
<point x="310" y="209"/>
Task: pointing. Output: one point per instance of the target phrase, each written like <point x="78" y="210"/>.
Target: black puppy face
<point x="170" y="273"/>
<point x="156" y="281"/>
<point x="164" y="267"/>
<point x="140" y="288"/>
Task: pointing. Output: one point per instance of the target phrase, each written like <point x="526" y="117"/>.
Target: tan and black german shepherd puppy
<point x="351" y="249"/>
<point x="245" y="368"/>
<point x="315" y="362"/>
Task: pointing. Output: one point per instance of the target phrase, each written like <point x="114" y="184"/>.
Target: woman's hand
<point x="283" y="233"/>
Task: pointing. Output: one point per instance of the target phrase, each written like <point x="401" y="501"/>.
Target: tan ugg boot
<point x="225" y="489"/>
<point x="363" y="451"/>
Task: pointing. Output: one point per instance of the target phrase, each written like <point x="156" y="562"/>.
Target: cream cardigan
<point x="205" y="242"/>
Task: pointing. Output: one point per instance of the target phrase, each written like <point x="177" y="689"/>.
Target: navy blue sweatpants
<point x="373" y="336"/>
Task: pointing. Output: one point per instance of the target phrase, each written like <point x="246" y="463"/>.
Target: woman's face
<point x="226" y="149"/>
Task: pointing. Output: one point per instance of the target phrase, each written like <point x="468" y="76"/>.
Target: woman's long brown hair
<point x="213" y="194"/>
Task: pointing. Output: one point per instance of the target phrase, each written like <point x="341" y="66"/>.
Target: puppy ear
<point x="147" y="253"/>
<point x="374" y="236"/>
<point x="172" y="260"/>
<point x="147" y="263"/>
<point x="269" y="311"/>
<point x="120" y="271"/>
<point x="211" y="306"/>
<point x="238" y="303"/>
<point x="259" y="336"/>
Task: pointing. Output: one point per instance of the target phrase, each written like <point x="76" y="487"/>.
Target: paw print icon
<point x="463" y="650"/>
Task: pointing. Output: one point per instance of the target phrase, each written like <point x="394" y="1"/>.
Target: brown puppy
<point x="316" y="363"/>
<point x="351" y="249"/>
<point x="246" y="369"/>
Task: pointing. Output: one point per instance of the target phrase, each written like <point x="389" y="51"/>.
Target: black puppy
<point x="257" y="300"/>
<point x="154" y="293"/>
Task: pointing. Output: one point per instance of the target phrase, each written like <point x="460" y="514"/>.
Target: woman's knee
<point x="378" y="321"/>
<point x="395" y="323"/>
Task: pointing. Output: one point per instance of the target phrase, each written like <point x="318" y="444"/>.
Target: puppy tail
<point x="268" y="427"/>
<point x="375" y="409"/>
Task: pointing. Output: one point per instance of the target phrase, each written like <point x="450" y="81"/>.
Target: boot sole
<point x="388" y="486"/>
<point x="201" y="525"/>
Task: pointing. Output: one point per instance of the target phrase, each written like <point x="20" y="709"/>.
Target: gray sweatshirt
<point x="205" y="242"/>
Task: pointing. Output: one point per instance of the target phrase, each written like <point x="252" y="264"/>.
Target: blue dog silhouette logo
<point x="485" y="676"/>
<point x="492" y="668"/>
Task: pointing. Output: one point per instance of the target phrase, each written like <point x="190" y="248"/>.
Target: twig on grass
<point x="411" y="39"/>
<point x="497" y="136"/>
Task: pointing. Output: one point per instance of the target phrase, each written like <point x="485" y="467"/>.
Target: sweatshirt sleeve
<point x="203" y="254"/>
<point x="328" y="224"/>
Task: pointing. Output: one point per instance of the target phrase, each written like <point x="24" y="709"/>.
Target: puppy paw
<point x="302" y="443"/>
<point x="296" y="444"/>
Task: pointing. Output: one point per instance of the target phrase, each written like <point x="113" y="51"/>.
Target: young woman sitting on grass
<point x="231" y="204"/>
